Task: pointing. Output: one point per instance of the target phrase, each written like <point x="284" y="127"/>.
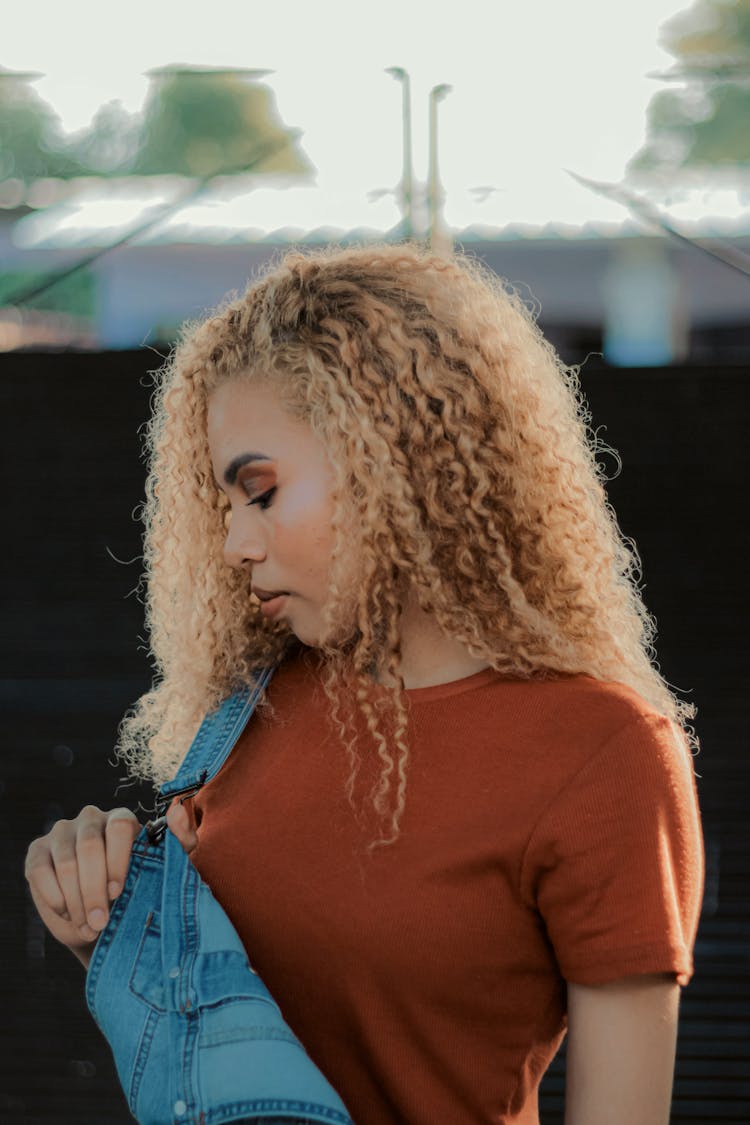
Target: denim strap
<point x="217" y="736"/>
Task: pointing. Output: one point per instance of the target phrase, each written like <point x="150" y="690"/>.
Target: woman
<point x="464" y="820"/>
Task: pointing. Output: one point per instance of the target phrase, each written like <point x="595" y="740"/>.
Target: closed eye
<point x="264" y="500"/>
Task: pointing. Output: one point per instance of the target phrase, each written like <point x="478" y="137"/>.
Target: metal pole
<point x="435" y="195"/>
<point x="402" y="76"/>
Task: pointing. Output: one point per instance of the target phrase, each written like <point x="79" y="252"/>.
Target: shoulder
<point x="605" y="704"/>
<point x="618" y="759"/>
<point x="627" y="731"/>
<point x="565" y="721"/>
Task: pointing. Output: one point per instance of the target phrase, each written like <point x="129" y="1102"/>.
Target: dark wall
<point x="73" y="660"/>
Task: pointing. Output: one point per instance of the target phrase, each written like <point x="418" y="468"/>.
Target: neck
<point x="428" y="656"/>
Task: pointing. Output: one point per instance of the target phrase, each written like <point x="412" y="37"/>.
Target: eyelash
<point x="263" y="500"/>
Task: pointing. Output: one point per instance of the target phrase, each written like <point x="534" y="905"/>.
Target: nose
<point x="242" y="544"/>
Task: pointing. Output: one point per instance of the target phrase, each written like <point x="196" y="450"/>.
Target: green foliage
<point x="200" y="123"/>
<point x="32" y="145"/>
<point x="195" y="123"/>
<point x="705" y="120"/>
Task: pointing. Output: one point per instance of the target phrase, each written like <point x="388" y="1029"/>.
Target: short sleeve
<point x="615" y="865"/>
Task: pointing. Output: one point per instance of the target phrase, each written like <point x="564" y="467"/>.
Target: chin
<point x="305" y="638"/>
<point x="306" y="635"/>
<point x="312" y="632"/>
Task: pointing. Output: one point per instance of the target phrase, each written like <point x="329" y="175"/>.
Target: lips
<point x="266" y="595"/>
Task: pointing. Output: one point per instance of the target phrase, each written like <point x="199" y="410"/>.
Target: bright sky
<point x="538" y="85"/>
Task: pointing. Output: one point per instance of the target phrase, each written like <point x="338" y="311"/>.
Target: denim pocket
<point x="146" y="980"/>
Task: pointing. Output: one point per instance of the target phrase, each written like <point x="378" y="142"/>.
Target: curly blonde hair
<point x="461" y="446"/>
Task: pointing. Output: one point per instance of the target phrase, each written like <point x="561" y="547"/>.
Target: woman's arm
<point x="622" y="1039"/>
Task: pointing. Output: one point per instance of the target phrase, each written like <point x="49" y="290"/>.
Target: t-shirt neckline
<point x="455" y="687"/>
<point x="451" y="687"/>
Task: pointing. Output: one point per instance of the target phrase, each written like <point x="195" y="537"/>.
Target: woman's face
<point x="279" y="480"/>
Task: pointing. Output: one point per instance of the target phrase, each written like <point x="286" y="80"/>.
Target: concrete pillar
<point x="645" y="320"/>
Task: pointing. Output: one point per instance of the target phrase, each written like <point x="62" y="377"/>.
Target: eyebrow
<point x="234" y="466"/>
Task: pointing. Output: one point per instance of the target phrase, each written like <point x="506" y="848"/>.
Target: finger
<point x="178" y="821"/>
<point x="48" y="898"/>
<point x="122" y="829"/>
<point x="92" y="869"/>
<point x="46" y="890"/>
<point x="65" y="865"/>
<point x="43" y="884"/>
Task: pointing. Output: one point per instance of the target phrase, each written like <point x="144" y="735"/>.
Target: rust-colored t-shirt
<point x="551" y="834"/>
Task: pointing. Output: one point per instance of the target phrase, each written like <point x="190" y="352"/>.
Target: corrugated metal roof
<point x="94" y="211"/>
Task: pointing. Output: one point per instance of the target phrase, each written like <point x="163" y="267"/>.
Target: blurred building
<point x="602" y="278"/>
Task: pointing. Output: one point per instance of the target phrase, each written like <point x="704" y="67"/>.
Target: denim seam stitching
<point x="147" y="935"/>
<point x="106" y="937"/>
<point x="216" y="1113"/>
<point x="141" y="1057"/>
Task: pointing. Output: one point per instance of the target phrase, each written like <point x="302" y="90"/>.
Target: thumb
<point x="180" y="823"/>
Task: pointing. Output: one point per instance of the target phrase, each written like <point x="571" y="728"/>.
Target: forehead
<point x="242" y="413"/>
<point x="246" y="417"/>
<point x="245" y="404"/>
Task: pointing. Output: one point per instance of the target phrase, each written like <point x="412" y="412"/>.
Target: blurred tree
<point x="705" y="121"/>
<point x="109" y="145"/>
<point x="198" y="122"/>
<point x="32" y="144"/>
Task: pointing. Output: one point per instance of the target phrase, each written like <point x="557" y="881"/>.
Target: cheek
<point x="308" y="514"/>
<point x="308" y="546"/>
<point x="309" y="499"/>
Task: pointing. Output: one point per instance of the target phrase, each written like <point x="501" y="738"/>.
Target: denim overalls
<point x="197" y="1038"/>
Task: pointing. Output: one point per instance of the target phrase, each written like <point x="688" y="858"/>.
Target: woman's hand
<point x="76" y="870"/>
